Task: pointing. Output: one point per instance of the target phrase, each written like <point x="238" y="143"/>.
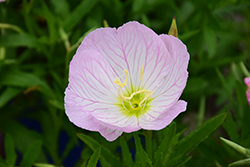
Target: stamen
<point x="119" y="83"/>
<point x="146" y="97"/>
<point x="132" y="95"/>
<point x="141" y="77"/>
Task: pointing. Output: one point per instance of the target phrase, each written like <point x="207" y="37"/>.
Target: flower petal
<point x="175" y="81"/>
<point x="164" y="119"/>
<point x="115" y="119"/>
<point x="90" y="89"/>
<point x="247" y="82"/>
<point x="129" y="47"/>
<point x="110" y="134"/>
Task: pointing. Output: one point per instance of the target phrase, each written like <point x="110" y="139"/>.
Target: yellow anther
<point x="119" y="83"/>
<point x="141" y="77"/>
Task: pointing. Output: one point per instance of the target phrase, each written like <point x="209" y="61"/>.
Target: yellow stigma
<point x="141" y="77"/>
<point x="132" y="95"/>
<point x="134" y="102"/>
<point x="119" y="83"/>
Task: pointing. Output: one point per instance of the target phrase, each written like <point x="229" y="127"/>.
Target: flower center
<point x="134" y="103"/>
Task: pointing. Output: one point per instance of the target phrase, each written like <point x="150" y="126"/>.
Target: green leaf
<point x="8" y="94"/>
<point x="230" y="126"/>
<point x="127" y="157"/>
<point x="138" y="5"/>
<point x="210" y="39"/>
<point x="109" y="158"/>
<point x="240" y="162"/>
<point x="24" y="79"/>
<point x="177" y="161"/>
<point x="31" y="154"/>
<point x="14" y="40"/>
<point x="62" y="8"/>
<point x="188" y="35"/>
<point x="163" y="152"/>
<point x="9" y="150"/>
<point x="201" y="113"/>
<point x="227" y="89"/>
<point x="94" y="158"/>
<point x="57" y="104"/>
<point x="2" y="162"/>
<point x="51" y="21"/>
<point x="143" y="156"/>
<point x="200" y="134"/>
<point x="73" y="18"/>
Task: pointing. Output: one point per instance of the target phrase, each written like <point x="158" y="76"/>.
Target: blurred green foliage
<point x="38" y="39"/>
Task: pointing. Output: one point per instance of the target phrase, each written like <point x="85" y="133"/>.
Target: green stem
<point x="244" y="69"/>
<point x="10" y="26"/>
<point x="148" y="139"/>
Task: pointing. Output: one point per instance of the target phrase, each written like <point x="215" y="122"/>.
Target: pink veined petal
<point x="129" y="47"/>
<point x="171" y="88"/>
<point x="247" y="82"/>
<point x="115" y="119"/>
<point x="90" y="89"/>
<point x="110" y="134"/>
<point x="164" y="119"/>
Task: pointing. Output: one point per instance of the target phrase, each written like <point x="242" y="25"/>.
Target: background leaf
<point x="94" y="158"/>
<point x="31" y="154"/>
<point x="9" y="150"/>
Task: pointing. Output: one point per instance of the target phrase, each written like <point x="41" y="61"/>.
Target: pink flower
<point x="2" y="1"/>
<point x="126" y="79"/>
<point x="247" y="82"/>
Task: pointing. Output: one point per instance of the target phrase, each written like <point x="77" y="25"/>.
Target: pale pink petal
<point x="129" y="47"/>
<point x="174" y="82"/>
<point x="164" y="119"/>
<point x="110" y="134"/>
<point x="115" y="119"/>
<point x="247" y="82"/>
<point x="90" y="89"/>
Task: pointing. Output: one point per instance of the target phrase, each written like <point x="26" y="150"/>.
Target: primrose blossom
<point x="126" y="79"/>
<point x="247" y="82"/>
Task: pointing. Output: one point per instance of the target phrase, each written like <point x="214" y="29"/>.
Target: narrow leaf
<point x="106" y="154"/>
<point x="240" y="162"/>
<point x="200" y="134"/>
<point x="127" y="157"/>
<point x="225" y="86"/>
<point x="31" y="154"/>
<point x="230" y="126"/>
<point x="8" y="94"/>
<point x="143" y="156"/>
<point x="94" y="158"/>
<point x="210" y="39"/>
<point x="164" y="148"/>
<point x="73" y="18"/>
<point x="177" y="161"/>
<point x="14" y="40"/>
<point x="9" y="150"/>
